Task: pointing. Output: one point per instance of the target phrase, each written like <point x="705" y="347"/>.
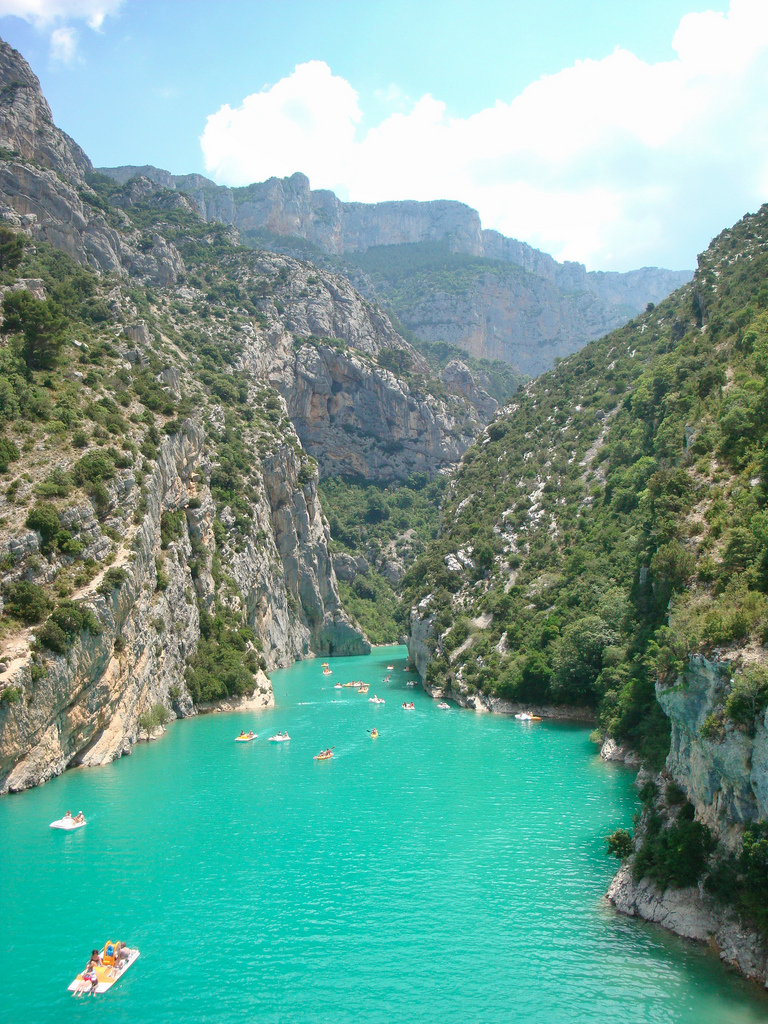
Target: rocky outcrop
<point x="726" y="776"/>
<point x="691" y="914"/>
<point x="326" y="350"/>
<point x="44" y="190"/>
<point x="26" y="123"/>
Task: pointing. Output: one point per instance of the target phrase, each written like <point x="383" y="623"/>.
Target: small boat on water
<point x="444" y="706"/>
<point x="362" y="689"/>
<point x="523" y="716"/>
<point x="338" y="686"/>
<point x="353" y="683"/>
<point x="327" y="672"/>
<point x="376" y="700"/>
<point x="280" y="737"/>
<point x="408" y="707"/>
<point x="323" y="755"/>
<point x="374" y="733"/>
<point x="390" y="668"/>
<point x="245" y="737"/>
<point x="100" y="977"/>
<point x="411" y="683"/>
<point x="68" y="823"/>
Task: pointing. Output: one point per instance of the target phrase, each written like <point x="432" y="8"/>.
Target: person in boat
<point x="79" y="818"/>
<point x="122" y="955"/>
<point x="91" y="978"/>
<point x="67" y="816"/>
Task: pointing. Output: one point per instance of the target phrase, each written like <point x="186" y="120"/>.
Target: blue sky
<point x="614" y="133"/>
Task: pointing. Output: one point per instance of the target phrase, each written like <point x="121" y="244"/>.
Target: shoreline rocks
<point x="691" y="914"/>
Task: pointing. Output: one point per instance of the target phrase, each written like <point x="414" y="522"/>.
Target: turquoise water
<point x="450" y="870"/>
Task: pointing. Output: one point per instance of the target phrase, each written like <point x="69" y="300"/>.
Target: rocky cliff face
<point x="526" y="319"/>
<point x="725" y="777"/>
<point x="84" y="706"/>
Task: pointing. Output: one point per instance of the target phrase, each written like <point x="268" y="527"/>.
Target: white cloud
<point x="63" y="45"/>
<point x="615" y="162"/>
<point x="42" y="13"/>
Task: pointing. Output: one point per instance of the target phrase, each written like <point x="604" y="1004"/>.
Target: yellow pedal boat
<point x="104" y="974"/>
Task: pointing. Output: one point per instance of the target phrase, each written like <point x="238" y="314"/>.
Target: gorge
<point x="230" y="415"/>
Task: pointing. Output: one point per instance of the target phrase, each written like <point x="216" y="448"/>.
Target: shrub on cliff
<point x="748" y="696"/>
<point x="674" y="855"/>
<point x="68" y="620"/>
<point x="27" y="602"/>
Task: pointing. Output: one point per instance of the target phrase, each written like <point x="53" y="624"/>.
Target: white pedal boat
<point x="444" y="706"/>
<point x="68" y="824"/>
<point x="376" y="700"/>
<point x="107" y="975"/>
<point x="278" y="738"/>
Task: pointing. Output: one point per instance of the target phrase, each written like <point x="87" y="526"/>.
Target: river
<point x="450" y="870"/>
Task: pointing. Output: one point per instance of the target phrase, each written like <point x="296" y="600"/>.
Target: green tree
<point x="40" y="326"/>
<point x="11" y="250"/>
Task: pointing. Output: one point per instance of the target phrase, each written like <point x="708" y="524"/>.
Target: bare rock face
<point x="324" y="350"/>
<point x="725" y="779"/>
<point x="26" y="123"/>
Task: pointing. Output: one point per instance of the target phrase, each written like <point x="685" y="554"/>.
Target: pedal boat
<point x="409" y="707"/>
<point x="68" y="824"/>
<point x="390" y="668"/>
<point x="444" y="706"/>
<point x="106" y="973"/>
<point x="376" y="700"/>
<point x="245" y="737"/>
<point x="278" y="739"/>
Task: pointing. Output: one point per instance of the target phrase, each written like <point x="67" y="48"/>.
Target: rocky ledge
<point x="691" y="914"/>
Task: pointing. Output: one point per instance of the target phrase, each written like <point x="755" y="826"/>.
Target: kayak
<point x="106" y="975"/>
<point x="374" y="733"/>
<point x="245" y="737"/>
<point x="324" y="756"/>
<point x="278" y="739"/>
<point x="523" y="716"/>
<point x="68" y="824"/>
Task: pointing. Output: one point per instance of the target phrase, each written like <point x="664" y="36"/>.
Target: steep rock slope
<point x="527" y="319"/>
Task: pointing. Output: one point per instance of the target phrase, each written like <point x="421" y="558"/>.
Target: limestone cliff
<point x="724" y="775"/>
<point x="527" y="319"/>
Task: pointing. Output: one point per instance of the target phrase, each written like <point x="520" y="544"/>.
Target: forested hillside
<point x="612" y="521"/>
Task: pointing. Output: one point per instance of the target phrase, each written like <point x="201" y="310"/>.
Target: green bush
<point x="113" y="579"/>
<point x="748" y="696"/>
<point x="156" y="716"/>
<point x="27" y="602"/>
<point x="9" y="452"/>
<point x="674" y="855"/>
<point x="10" y="695"/>
<point x="93" y="468"/>
<point x="619" y="844"/>
<point x="68" y="620"/>
<point x="45" y="520"/>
